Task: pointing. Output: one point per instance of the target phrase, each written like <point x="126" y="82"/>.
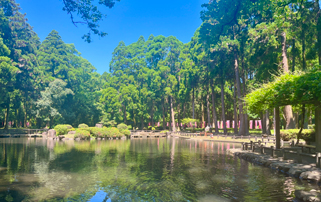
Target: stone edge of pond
<point x="302" y="171"/>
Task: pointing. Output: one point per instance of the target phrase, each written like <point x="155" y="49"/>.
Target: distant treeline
<point x="239" y="46"/>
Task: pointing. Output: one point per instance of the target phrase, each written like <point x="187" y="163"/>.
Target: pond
<point x="169" y="169"/>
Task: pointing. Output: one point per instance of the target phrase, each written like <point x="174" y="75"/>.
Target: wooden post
<point x="299" y="151"/>
<point x="262" y="149"/>
<point x="277" y="127"/>
<point x="284" y="154"/>
<point x="272" y="151"/>
<point x="317" y="159"/>
<point x="318" y="129"/>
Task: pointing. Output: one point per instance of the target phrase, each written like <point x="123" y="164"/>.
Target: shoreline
<point x="308" y="172"/>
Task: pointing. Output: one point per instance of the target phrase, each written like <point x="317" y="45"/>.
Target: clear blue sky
<point x="128" y="20"/>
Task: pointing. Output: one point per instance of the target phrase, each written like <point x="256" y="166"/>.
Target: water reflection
<point x="134" y="170"/>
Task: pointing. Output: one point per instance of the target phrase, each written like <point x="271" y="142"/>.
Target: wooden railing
<point x="296" y="151"/>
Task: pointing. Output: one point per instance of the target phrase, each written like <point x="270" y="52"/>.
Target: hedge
<point x="62" y="129"/>
<point x="82" y="125"/>
<point x="82" y="134"/>
<point x="307" y="134"/>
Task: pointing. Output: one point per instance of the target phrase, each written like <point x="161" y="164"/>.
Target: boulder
<point x="314" y="175"/>
<point x="61" y="137"/>
<point x="307" y="196"/>
<point x="51" y="133"/>
<point x="71" y="132"/>
<point x="99" y="125"/>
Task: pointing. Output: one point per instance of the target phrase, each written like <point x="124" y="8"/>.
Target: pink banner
<point x="260" y="124"/>
<point x="222" y="124"/>
<point x="167" y="123"/>
<point x="251" y="124"/>
<point x="227" y="124"/>
<point x="181" y="124"/>
<point x="195" y="124"/>
<point x="158" y="124"/>
<point x="233" y="124"/>
<point x="255" y="124"/>
<point x="218" y="124"/>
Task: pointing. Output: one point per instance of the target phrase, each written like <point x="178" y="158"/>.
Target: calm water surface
<point x="135" y="170"/>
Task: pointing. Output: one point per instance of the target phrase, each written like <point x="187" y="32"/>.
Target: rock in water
<point x="52" y="133"/>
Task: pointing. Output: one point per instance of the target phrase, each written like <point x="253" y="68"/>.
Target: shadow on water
<point x="134" y="170"/>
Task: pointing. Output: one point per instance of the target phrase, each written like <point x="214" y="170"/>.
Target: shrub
<point x="126" y="132"/>
<point x="307" y="134"/>
<point x="82" y="125"/>
<point x="122" y="127"/>
<point x="61" y="129"/>
<point x="98" y="132"/>
<point x="114" y="132"/>
<point x="164" y="131"/>
<point x="312" y="126"/>
<point x="82" y="134"/>
<point x="129" y="127"/>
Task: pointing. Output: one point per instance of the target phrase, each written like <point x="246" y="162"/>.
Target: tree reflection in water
<point x="133" y="170"/>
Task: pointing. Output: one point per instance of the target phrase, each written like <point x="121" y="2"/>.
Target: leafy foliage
<point x="83" y="125"/>
<point x="297" y="88"/>
<point x="88" y="13"/>
<point x="82" y="134"/>
<point x="122" y="127"/>
<point x="307" y="134"/>
<point x="62" y="129"/>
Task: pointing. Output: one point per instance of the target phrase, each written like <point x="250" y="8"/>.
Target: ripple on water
<point x="212" y="198"/>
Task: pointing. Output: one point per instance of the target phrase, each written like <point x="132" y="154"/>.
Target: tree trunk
<point x="306" y="120"/>
<point x="317" y="7"/>
<point x="202" y="110"/>
<point x="208" y="110"/>
<point x="302" y="124"/>
<point x="164" y="124"/>
<point x="152" y="115"/>
<point x="214" y="109"/>
<point x="172" y="114"/>
<point x="304" y="63"/>
<point x="236" y="120"/>
<point x="267" y="122"/>
<point x="193" y="104"/>
<point x="290" y="124"/>
<point x="223" y="106"/>
<point x="263" y="123"/>
<point x="243" y="130"/>
<point x="318" y="128"/>
<point x="285" y="63"/>
<point x="25" y="113"/>
<point x="7" y="113"/>
<point x="293" y="55"/>
<point x="277" y="127"/>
